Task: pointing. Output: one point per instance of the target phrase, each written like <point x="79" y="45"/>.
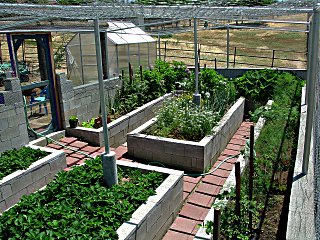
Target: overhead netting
<point x="162" y="9"/>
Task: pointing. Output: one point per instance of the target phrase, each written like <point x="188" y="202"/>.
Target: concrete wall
<point x="119" y="128"/>
<point x="154" y="217"/>
<point x="13" y="128"/>
<point x="186" y="155"/>
<point x="84" y="100"/>
<point x="37" y="175"/>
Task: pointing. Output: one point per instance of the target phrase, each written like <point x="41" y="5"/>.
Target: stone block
<point x="4" y="124"/>
<point x="13" y="199"/>
<point x="174" y="148"/>
<point x="40" y="172"/>
<point x="10" y="98"/>
<point x="36" y="185"/>
<point x="6" y="191"/>
<point x="3" y="206"/>
<point x="22" y="182"/>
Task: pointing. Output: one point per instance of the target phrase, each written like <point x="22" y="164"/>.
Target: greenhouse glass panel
<point x="134" y="56"/>
<point x="126" y="43"/>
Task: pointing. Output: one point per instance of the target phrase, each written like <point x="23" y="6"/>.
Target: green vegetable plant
<point x="13" y="160"/>
<point x="275" y="152"/>
<point x="78" y="205"/>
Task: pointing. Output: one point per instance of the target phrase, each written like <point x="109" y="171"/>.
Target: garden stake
<point x="122" y="73"/>
<point x="216" y="222"/>
<point x="141" y="73"/>
<point x="251" y="171"/>
<point x="130" y="73"/>
<point x="238" y="188"/>
<point x="215" y="63"/>
<point x="205" y="66"/>
<point x="234" y="56"/>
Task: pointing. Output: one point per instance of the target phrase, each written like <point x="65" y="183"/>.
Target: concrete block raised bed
<point x="25" y="182"/>
<point x="230" y="183"/>
<point x="119" y="128"/>
<point x="153" y="218"/>
<point x="186" y="155"/>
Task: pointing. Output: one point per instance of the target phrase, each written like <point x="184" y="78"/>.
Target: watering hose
<point x="48" y="138"/>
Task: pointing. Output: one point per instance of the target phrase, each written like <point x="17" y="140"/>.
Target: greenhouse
<point x="126" y="43"/>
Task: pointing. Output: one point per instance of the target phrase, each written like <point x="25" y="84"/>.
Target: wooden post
<point x="272" y="63"/>
<point x="130" y="74"/>
<point x="238" y="188"/>
<point x="216" y="224"/>
<point x="141" y="73"/>
<point x="215" y="63"/>
<point x="251" y="171"/>
<point x="165" y="50"/>
<point x="234" y="56"/>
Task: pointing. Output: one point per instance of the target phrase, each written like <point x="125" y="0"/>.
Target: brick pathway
<point x="198" y="192"/>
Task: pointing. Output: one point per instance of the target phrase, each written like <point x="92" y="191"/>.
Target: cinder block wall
<point x="13" y="127"/>
<point x="84" y="100"/>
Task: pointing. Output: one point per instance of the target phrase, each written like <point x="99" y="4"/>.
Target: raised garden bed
<point x="36" y="175"/>
<point x="77" y="204"/>
<point x="186" y="155"/>
<point x="119" y="128"/>
<point x="275" y="154"/>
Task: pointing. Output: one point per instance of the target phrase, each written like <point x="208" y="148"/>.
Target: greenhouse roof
<point x="126" y="33"/>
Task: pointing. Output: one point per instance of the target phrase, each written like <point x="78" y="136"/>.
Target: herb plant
<point x="77" y="205"/>
<point x="13" y="160"/>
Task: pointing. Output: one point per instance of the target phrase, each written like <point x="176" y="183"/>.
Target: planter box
<point x="186" y="155"/>
<point x="230" y="183"/>
<point x="153" y="218"/>
<point x="25" y="182"/>
<point x="119" y="128"/>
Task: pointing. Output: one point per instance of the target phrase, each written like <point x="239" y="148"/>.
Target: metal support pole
<point x="196" y="96"/>
<point x="81" y="59"/>
<point x="228" y="45"/>
<point x="109" y="166"/>
<point x="107" y="54"/>
<point x="312" y="68"/>
<point x="159" y="47"/>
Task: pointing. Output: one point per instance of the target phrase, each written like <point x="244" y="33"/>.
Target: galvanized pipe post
<point x="312" y="70"/>
<point x="107" y="54"/>
<point x="109" y="166"/>
<point x="228" y="45"/>
<point x="196" y="96"/>
<point x="159" y="49"/>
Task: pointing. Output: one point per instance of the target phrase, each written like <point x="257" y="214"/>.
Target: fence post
<point x="251" y="172"/>
<point x="228" y="45"/>
<point x="141" y="77"/>
<point x="272" y="62"/>
<point x="159" y="47"/>
<point x="165" y="50"/>
<point x="234" y="56"/>
<point x="216" y="224"/>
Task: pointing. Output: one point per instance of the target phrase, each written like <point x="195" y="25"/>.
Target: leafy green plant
<point x="73" y="118"/>
<point x="275" y="148"/>
<point x="95" y="122"/>
<point x="13" y="160"/>
<point x="77" y="205"/>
